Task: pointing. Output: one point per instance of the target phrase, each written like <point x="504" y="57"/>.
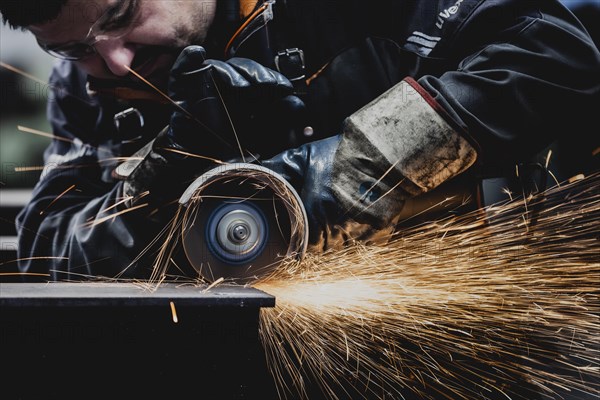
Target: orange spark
<point x="99" y="221"/>
<point x="45" y="134"/>
<point x="34" y="258"/>
<point x="57" y="198"/>
<point x="22" y="73"/>
<point x="174" y="312"/>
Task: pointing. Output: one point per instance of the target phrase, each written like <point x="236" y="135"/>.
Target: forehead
<point x="75" y="19"/>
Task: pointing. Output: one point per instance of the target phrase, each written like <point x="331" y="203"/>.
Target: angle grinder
<point x="239" y="221"/>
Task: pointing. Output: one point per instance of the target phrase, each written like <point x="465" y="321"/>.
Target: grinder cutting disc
<point x="241" y="221"/>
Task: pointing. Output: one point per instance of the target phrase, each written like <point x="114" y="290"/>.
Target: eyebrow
<point x="117" y="16"/>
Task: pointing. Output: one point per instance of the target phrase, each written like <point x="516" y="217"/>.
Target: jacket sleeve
<point x="534" y="80"/>
<point x="527" y="74"/>
<point x="76" y="224"/>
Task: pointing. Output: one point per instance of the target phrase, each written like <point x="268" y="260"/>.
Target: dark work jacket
<point x="514" y="75"/>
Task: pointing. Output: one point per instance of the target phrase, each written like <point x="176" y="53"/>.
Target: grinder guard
<point x="241" y="221"/>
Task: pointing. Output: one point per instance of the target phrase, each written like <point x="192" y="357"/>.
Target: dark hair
<point x="22" y="13"/>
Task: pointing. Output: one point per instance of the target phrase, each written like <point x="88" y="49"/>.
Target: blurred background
<point x="22" y="102"/>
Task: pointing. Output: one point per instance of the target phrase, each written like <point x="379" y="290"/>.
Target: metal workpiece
<point x="95" y="340"/>
<point x="92" y="294"/>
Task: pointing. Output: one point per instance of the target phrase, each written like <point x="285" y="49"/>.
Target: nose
<point x="117" y="55"/>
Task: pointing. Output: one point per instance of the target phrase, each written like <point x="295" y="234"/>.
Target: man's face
<point x="146" y="37"/>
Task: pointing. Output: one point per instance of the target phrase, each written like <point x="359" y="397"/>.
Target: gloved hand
<point x="354" y="185"/>
<point x="342" y="192"/>
<point x="212" y="98"/>
<point x="216" y="99"/>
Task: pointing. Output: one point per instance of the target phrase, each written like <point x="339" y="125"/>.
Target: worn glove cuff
<point x="412" y="133"/>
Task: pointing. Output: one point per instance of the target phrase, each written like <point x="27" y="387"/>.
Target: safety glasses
<point x="117" y="21"/>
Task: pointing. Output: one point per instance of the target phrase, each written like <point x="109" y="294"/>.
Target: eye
<point x="79" y="50"/>
<point x="74" y="51"/>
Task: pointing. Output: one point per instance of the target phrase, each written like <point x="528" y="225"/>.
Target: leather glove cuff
<point x="402" y="144"/>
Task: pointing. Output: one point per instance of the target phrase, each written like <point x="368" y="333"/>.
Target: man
<point x="363" y="106"/>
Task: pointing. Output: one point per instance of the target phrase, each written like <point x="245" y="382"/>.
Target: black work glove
<point x="212" y="98"/>
<point x="341" y="192"/>
<point x="354" y="185"/>
<point x="217" y="99"/>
